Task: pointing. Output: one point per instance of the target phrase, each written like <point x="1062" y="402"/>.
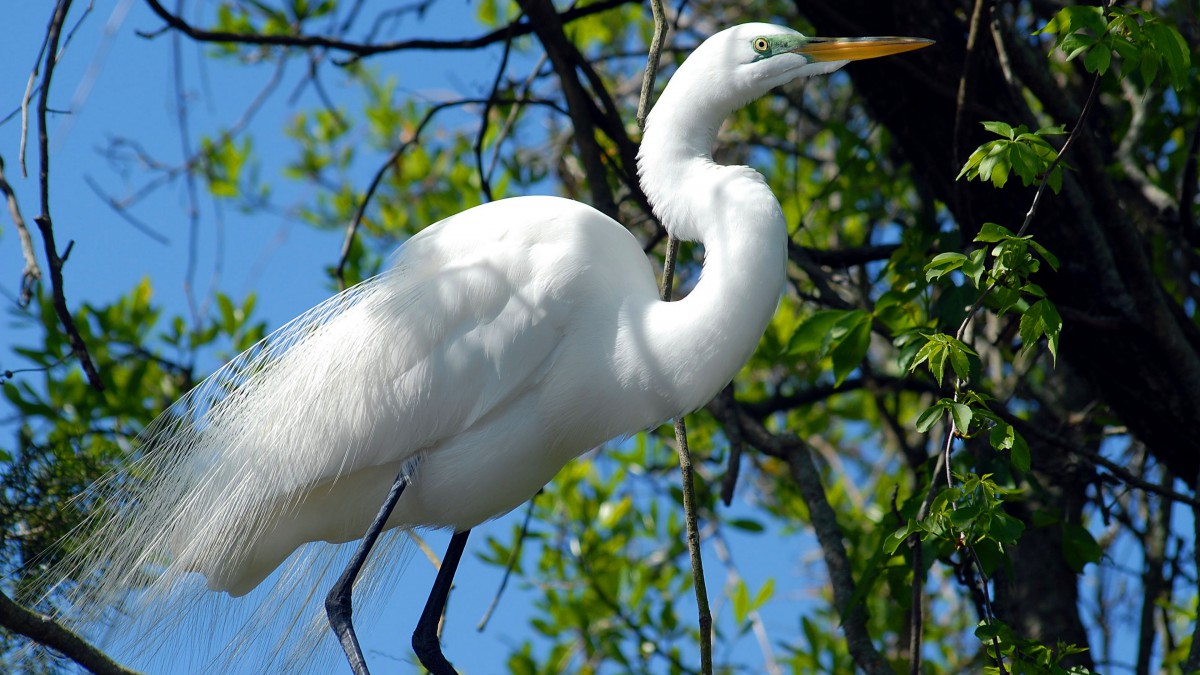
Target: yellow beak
<point x="855" y="49"/>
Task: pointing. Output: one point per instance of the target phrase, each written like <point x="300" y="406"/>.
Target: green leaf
<point x="746" y="525"/>
<point x="999" y="128"/>
<point x="852" y="349"/>
<point x="1098" y="60"/>
<point x="974" y="268"/>
<point x="1004" y="528"/>
<point x="741" y="602"/>
<point x="942" y="264"/>
<point x="1052" y="326"/>
<point x="897" y="538"/>
<point x="228" y="313"/>
<point x="929" y="417"/>
<point x="1001" y="436"/>
<point x="811" y="335"/>
<point x="937" y="361"/>
<point x="764" y="594"/>
<point x="1019" y="454"/>
<point x="991" y="232"/>
<point x="959" y="361"/>
<point x="1079" y="547"/>
<point x="1041" y="319"/>
<point x="962" y="417"/>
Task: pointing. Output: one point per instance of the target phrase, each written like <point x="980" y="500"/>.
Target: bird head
<point x="748" y="60"/>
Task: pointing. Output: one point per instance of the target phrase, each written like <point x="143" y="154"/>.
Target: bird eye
<point x="761" y="45"/>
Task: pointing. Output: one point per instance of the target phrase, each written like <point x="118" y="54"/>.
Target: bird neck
<point x="702" y="340"/>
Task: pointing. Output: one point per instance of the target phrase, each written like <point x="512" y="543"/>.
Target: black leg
<point x="337" y="603"/>
<point x="425" y="639"/>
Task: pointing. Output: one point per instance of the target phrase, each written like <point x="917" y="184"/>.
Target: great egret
<point x="503" y="342"/>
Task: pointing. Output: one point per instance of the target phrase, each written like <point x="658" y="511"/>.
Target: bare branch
<point x="32" y="273"/>
<point x="798" y="456"/>
<point x="44" y="630"/>
<point x="360" y="50"/>
<point x="512" y="564"/>
<point x="548" y="25"/>
<point x="44" y="223"/>
<point x="681" y="441"/>
<point x="484" y="181"/>
<point x="352" y="228"/>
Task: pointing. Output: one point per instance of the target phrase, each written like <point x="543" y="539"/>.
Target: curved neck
<point x="700" y="342"/>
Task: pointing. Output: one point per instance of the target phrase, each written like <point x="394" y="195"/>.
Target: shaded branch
<point x="1124" y="475"/>
<point x="1193" y="659"/>
<point x="42" y="629"/>
<point x="819" y="393"/>
<point x="360" y="50"/>
<point x="548" y="25"/>
<point x="798" y="457"/>
<point x="846" y="257"/>
<point x="1187" y="189"/>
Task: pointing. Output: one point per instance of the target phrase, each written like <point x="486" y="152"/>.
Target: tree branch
<point x="339" y="271"/>
<point x="44" y="223"/>
<point x="1193" y="659"/>
<point x="45" y="631"/>
<point x="360" y="50"/>
<point x="548" y="25"/>
<point x="32" y="273"/>
<point x="681" y="442"/>
<point x="846" y="257"/>
<point x="798" y="456"/>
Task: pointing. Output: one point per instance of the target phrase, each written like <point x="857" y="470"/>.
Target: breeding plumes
<point x="502" y="342"/>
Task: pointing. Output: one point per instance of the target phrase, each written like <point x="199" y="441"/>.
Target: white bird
<point x="502" y="343"/>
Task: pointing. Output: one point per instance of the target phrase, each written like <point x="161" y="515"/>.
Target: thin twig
<point x="1193" y="659"/>
<point x="124" y="213"/>
<point x="32" y="273"/>
<point x="681" y="442"/>
<point x="27" y="98"/>
<point x="511" y="120"/>
<point x="360" y="50"/>
<point x="484" y="183"/>
<point x="733" y="579"/>
<point x="512" y="564"/>
<point x="693" y="540"/>
<point x="339" y="272"/>
<point x="803" y="471"/>
<point x="44" y="223"/>
<point x="183" y="127"/>
<point x="655" y="51"/>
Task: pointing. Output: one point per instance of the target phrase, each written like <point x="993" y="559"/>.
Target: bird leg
<point x="337" y="603"/>
<point x="425" y="638"/>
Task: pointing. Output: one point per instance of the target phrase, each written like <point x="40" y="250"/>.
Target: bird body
<point x="500" y="344"/>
